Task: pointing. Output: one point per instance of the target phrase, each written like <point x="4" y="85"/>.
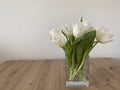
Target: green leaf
<point x="68" y="53"/>
<point x="83" y="44"/>
<point x="79" y="49"/>
<point x="65" y="35"/>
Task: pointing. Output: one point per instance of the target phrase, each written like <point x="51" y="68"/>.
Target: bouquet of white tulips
<point x="77" y="41"/>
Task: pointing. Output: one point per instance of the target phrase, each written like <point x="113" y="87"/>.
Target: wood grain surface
<point x="50" y="75"/>
<point x="2" y="61"/>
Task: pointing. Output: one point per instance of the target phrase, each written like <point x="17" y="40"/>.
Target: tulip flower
<point x="68" y="30"/>
<point x="78" y="30"/>
<point x="103" y="36"/>
<point x="58" y="37"/>
<point x="88" y="27"/>
<point x="81" y="28"/>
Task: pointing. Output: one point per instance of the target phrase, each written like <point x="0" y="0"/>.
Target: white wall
<point x="25" y="26"/>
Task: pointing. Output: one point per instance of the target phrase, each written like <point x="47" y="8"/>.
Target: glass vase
<point x="81" y="79"/>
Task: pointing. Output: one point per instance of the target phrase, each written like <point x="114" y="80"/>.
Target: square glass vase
<point x="81" y="79"/>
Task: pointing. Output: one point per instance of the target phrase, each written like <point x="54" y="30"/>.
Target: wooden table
<point x="50" y="75"/>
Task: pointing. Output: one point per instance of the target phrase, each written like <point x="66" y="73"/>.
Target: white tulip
<point x="58" y="37"/>
<point x="68" y="30"/>
<point x="103" y="36"/>
<point x="87" y="26"/>
<point x="78" y="30"/>
<point x="81" y="28"/>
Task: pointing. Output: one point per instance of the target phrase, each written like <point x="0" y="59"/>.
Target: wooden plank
<point x="50" y="75"/>
<point x="2" y="61"/>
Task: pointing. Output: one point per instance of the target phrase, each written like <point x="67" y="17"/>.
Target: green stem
<point x="73" y="58"/>
<point x="81" y="65"/>
<point x="83" y="62"/>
